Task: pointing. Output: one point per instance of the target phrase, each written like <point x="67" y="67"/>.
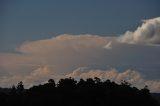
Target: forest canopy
<point x="70" y="92"/>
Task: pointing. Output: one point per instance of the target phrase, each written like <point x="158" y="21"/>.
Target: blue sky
<point x="27" y="20"/>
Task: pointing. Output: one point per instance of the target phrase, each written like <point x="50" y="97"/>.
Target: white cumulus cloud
<point x="148" y="33"/>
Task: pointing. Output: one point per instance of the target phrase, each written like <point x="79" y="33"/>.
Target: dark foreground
<point x="68" y="92"/>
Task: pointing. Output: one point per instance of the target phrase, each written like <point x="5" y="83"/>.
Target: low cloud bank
<point x="41" y="75"/>
<point x="131" y="76"/>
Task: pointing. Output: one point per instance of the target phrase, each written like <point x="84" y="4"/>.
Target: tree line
<point x="70" y="92"/>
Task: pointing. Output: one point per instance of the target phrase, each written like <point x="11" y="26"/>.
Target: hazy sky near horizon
<point x="115" y="39"/>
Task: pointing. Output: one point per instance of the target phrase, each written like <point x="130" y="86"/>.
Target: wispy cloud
<point x="108" y="45"/>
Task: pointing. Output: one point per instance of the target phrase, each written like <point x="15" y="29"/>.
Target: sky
<point x="26" y="20"/>
<point x="110" y="39"/>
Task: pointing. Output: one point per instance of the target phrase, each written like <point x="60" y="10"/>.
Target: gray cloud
<point x="148" y="33"/>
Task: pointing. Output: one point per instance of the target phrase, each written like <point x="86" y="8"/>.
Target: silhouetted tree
<point x="124" y="83"/>
<point x="145" y="90"/>
<point x="97" y="80"/>
<point x="20" y="87"/>
<point x="13" y="90"/>
<point x="89" y="92"/>
<point x="52" y="82"/>
<point x="67" y="83"/>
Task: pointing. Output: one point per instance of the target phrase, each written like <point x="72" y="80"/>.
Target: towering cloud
<point x="57" y="57"/>
<point x="148" y="33"/>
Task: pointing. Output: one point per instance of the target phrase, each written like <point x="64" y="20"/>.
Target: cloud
<point x="148" y="33"/>
<point x="108" y="45"/>
<point x="38" y="76"/>
<point x="131" y="76"/>
<point x="62" y="53"/>
<point x="36" y="61"/>
<point x="65" y="53"/>
<point x="56" y="57"/>
<point x="42" y="74"/>
<point x="61" y="42"/>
